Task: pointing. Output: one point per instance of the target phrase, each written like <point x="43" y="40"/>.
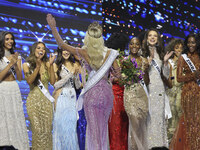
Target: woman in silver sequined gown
<point x="153" y="50"/>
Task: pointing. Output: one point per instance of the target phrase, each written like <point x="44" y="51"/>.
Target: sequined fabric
<point x="190" y="101"/>
<point x="174" y="95"/>
<point x="98" y="103"/>
<point x="157" y="128"/>
<point x="178" y="141"/>
<point x="136" y="106"/>
<point x="40" y="112"/>
<point x="118" y="122"/>
<point x="13" y="129"/>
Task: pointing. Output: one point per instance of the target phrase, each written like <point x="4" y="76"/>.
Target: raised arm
<point x="52" y="24"/>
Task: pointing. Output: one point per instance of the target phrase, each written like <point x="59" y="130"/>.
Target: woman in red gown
<point x="118" y="122"/>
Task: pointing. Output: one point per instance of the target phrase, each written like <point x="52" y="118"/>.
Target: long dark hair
<point x="31" y="59"/>
<point x="197" y="40"/>
<point x="159" y="45"/>
<point x="60" y="60"/>
<point x="2" y="42"/>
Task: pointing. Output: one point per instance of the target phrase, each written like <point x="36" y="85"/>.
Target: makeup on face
<point x="134" y="45"/>
<point x="8" y="43"/>
<point x="40" y="50"/>
<point x="178" y="48"/>
<point x="65" y="54"/>
<point x="152" y="38"/>
<point x="191" y="44"/>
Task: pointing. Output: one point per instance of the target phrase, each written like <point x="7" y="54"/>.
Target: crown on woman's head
<point x="95" y="27"/>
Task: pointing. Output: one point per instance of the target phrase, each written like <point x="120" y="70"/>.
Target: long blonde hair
<point x="94" y="45"/>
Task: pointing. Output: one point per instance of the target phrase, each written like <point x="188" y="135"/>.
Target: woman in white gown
<point x="158" y="75"/>
<point x="13" y="129"/>
<point x="65" y="117"/>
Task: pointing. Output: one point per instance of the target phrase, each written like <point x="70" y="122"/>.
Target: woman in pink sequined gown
<point x="97" y="95"/>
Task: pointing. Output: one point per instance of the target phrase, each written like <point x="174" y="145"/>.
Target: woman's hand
<point x="167" y="56"/>
<point x="51" y="21"/>
<point x="52" y="58"/>
<point x="151" y="49"/>
<point x="14" y="58"/>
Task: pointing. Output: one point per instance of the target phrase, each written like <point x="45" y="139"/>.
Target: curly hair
<point x="2" y="42"/>
<point x="31" y="59"/>
<point x="60" y="60"/>
<point x="94" y="45"/>
<point x="172" y="44"/>
<point x="159" y="45"/>
<point x="117" y="41"/>
<point x="197" y="40"/>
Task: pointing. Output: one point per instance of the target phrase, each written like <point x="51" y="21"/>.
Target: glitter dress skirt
<point x="98" y="103"/>
<point x="13" y="129"/>
<point x="40" y="112"/>
<point x="136" y="106"/>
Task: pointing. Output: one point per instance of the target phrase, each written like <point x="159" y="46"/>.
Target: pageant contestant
<point x="38" y="72"/>
<point x="118" y="121"/>
<point x="174" y="93"/>
<point x="136" y="101"/>
<point x="188" y="71"/>
<point x="97" y="93"/>
<point x="158" y="74"/>
<point x="13" y="129"/>
<point x="65" y="117"/>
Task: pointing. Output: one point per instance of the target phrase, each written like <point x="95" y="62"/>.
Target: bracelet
<point x="60" y="44"/>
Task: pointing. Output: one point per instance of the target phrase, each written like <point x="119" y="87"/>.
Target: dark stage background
<point x="27" y="20"/>
<point x="173" y="18"/>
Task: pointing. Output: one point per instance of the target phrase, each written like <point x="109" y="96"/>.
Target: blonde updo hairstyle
<point x="94" y="45"/>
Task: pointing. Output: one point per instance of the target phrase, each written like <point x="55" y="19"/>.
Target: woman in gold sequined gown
<point x="39" y="107"/>
<point x="174" y="93"/>
<point x="136" y="102"/>
<point x="190" y="97"/>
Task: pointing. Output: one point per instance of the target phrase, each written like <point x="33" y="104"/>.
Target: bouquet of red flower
<point x="130" y="71"/>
